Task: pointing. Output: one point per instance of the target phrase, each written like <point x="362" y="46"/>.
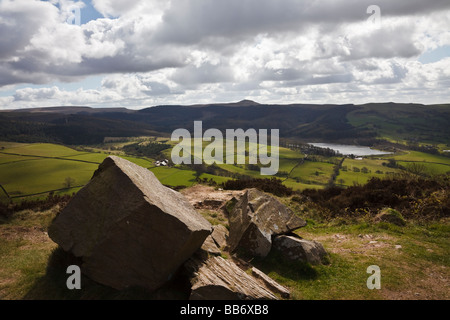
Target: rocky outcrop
<point x="128" y="228"/>
<point x="256" y="218"/>
<point x="298" y="249"/>
<point x="220" y="279"/>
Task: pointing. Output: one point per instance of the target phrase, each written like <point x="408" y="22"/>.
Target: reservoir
<point x="349" y="149"/>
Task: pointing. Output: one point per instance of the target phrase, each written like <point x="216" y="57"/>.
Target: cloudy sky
<point x="136" y="54"/>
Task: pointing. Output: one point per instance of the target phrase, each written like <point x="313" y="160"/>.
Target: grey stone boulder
<point x="220" y="236"/>
<point x="297" y="249"/>
<point x="216" y="278"/>
<point x="128" y="228"/>
<point x="255" y="219"/>
<point x="210" y="246"/>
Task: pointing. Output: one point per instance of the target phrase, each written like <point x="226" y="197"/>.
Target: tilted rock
<point x="220" y="236"/>
<point x="256" y="218"/>
<point x="219" y="279"/>
<point x="297" y="249"/>
<point x="210" y="246"/>
<point x="270" y="283"/>
<point x="128" y="228"/>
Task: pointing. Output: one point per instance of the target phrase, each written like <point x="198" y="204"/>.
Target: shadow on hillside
<point x="52" y="286"/>
<point x="292" y="270"/>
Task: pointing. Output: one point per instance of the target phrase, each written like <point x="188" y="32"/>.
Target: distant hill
<point x="71" y="110"/>
<point x="84" y="125"/>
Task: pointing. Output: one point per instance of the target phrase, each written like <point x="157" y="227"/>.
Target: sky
<point x="138" y="54"/>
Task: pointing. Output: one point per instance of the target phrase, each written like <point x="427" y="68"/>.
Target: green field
<point x="430" y="163"/>
<point x="36" y="169"/>
<point x="375" y="169"/>
<point x="419" y="157"/>
<point x="30" y="169"/>
<point x="317" y="173"/>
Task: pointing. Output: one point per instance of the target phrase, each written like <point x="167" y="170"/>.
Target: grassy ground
<point x="414" y="261"/>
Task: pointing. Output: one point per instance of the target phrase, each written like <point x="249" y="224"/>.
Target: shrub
<point x="8" y="209"/>
<point x="419" y="198"/>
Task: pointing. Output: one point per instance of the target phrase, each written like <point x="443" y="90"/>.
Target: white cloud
<point x="157" y="51"/>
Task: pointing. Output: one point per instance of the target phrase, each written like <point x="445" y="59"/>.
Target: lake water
<point x="349" y="149"/>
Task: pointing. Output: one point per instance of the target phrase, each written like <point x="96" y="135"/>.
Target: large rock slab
<point x="220" y="279"/>
<point x="298" y="249"/>
<point x="256" y="218"/>
<point x="128" y="228"/>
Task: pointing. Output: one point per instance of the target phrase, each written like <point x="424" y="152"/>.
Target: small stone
<point x="302" y="250"/>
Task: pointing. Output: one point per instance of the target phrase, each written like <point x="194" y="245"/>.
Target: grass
<point x="174" y="177"/>
<point x="24" y="251"/>
<point x="429" y="168"/>
<point x="22" y="175"/>
<point x="415" y="271"/>
<point x="373" y="166"/>
<point x="318" y="173"/>
<point x="42" y="149"/>
<point x="34" y="176"/>
<point x="419" y="157"/>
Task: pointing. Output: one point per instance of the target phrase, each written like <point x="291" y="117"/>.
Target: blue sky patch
<point x="435" y="55"/>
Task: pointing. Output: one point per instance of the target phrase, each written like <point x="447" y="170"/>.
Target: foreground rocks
<point x="297" y="249"/>
<point x="220" y="279"/>
<point x="128" y="228"/>
<point x="220" y="236"/>
<point x="255" y="219"/>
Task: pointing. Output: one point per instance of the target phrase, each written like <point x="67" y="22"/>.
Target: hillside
<point x="82" y="125"/>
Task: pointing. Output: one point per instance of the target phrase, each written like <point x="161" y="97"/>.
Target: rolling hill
<point x="84" y="125"/>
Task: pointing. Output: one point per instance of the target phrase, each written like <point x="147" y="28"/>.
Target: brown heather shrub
<point x="8" y="209"/>
<point x="415" y="198"/>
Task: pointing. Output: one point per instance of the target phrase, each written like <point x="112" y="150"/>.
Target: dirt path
<point x="200" y="193"/>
